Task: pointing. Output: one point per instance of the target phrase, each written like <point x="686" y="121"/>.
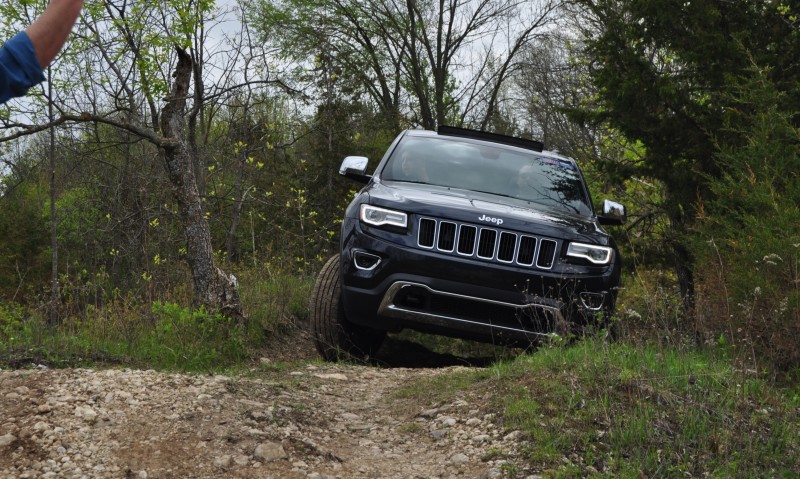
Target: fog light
<point x="366" y="261"/>
<point x="593" y="301"/>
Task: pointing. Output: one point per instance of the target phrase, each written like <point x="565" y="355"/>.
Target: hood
<point x="483" y="208"/>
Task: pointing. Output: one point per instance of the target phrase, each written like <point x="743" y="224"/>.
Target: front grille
<point x="488" y="244"/>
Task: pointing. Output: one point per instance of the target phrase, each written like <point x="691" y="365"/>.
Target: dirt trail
<point x="312" y="421"/>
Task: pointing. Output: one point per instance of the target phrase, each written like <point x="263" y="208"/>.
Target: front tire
<point x="335" y="337"/>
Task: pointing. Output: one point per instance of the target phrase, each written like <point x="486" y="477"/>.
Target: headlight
<point x="595" y="254"/>
<point x="372" y="215"/>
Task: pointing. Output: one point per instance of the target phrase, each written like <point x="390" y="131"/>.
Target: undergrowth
<point x="654" y="404"/>
<point x="624" y="411"/>
<point x="595" y="409"/>
<point x="160" y="334"/>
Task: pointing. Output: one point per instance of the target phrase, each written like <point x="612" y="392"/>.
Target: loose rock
<point x="269" y="451"/>
<point x="321" y="421"/>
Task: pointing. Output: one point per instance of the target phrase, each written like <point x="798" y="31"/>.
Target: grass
<point x="637" y="408"/>
<point x="160" y="335"/>
<point x="616" y="410"/>
<point x="438" y="389"/>
<point x="168" y="337"/>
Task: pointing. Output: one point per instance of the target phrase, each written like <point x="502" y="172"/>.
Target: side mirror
<point x="355" y="168"/>
<point x="613" y="213"/>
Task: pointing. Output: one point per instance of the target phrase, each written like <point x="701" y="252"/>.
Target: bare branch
<point x="85" y="117"/>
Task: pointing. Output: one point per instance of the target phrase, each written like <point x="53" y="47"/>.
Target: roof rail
<point x="495" y="137"/>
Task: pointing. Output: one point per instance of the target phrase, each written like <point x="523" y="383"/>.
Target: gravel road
<point x="313" y="421"/>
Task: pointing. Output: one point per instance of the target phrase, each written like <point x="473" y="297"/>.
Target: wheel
<point x="335" y="337"/>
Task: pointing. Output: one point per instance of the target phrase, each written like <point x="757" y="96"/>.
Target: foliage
<point x="632" y="411"/>
<point x="649" y="62"/>
<point x="277" y="302"/>
<point x="649" y="309"/>
<point x="12" y="322"/>
<point x="25" y="242"/>
<point x="115" y="327"/>
<point x="748" y="237"/>
<point x="657" y="86"/>
<point x="432" y="63"/>
<point x="192" y="339"/>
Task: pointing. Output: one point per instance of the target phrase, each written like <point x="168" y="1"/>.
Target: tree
<point x="116" y="73"/>
<point x="547" y="84"/>
<point x="662" y="70"/>
<point x="747" y="243"/>
<point x="433" y="62"/>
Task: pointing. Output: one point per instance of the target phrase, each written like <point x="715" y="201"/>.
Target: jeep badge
<point x="489" y="219"/>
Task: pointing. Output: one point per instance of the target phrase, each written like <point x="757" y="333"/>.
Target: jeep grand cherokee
<point x="466" y="234"/>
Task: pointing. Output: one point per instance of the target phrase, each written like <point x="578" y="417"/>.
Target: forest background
<point x="175" y="179"/>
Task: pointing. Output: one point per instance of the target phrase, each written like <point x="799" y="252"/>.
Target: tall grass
<point x="162" y="334"/>
<point x="747" y="241"/>
<point x="595" y="409"/>
<point x="628" y="411"/>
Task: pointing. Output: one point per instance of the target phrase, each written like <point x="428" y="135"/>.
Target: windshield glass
<point x="512" y="172"/>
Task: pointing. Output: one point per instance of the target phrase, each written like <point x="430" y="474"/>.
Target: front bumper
<point x="392" y="286"/>
<point x="418" y="305"/>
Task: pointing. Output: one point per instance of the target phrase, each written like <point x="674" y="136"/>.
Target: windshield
<point x="512" y="172"/>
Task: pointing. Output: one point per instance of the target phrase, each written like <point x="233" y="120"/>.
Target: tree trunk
<point x="53" y="317"/>
<point x="418" y="80"/>
<point x="683" y="264"/>
<point x="213" y="288"/>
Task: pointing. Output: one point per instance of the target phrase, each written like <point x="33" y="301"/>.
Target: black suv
<point x="466" y="234"/>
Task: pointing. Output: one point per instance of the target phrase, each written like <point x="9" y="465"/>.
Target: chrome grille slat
<point x="447" y="236"/>
<point x="427" y="233"/>
<point x="488" y="244"/>
<point x="466" y="239"/>
<point x="547" y="252"/>
<point x="527" y="250"/>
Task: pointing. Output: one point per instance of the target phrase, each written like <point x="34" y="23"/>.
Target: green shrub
<point x="24" y="242"/>
<point x="100" y="323"/>
<point x="12" y="323"/>
<point x="183" y="338"/>
<point x="649" y="308"/>
<point x="748" y="242"/>
<point x="277" y="302"/>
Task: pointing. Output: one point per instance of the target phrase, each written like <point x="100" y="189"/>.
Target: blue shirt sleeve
<point x="19" y="67"/>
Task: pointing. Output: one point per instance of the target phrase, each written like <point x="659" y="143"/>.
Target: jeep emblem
<point x="489" y="219"/>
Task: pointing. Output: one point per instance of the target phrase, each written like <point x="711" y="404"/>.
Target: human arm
<point x="49" y="32"/>
<point x="19" y="68"/>
<point x="24" y="57"/>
